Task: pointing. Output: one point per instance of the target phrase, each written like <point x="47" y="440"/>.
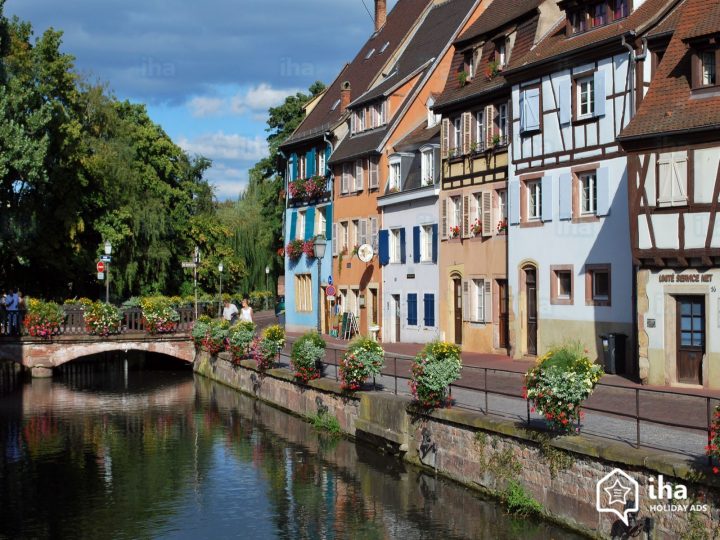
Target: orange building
<point x="396" y="105"/>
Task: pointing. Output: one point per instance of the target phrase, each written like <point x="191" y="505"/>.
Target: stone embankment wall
<point x="491" y="454"/>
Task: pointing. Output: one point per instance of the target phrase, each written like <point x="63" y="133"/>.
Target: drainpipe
<point x="634" y="59"/>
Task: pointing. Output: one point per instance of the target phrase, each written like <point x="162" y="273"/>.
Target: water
<point x="123" y="453"/>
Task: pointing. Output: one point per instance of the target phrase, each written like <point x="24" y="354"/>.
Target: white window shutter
<point x="599" y="86"/>
<point x="363" y="232"/>
<point x="465" y="300"/>
<point x="489" y="125"/>
<point x="547" y="198"/>
<point x="345" y="185"/>
<point x="465" y="216"/>
<point x="374" y="233"/>
<point x="444" y="219"/>
<point x="565" y="98"/>
<point x="530" y="110"/>
<point x="334" y="239"/>
<point x="445" y="137"/>
<point x="466" y="132"/>
<point x="488" y="302"/>
<point x="523" y="114"/>
<point x="665" y="181"/>
<point x="359" y="176"/>
<point x="373" y="172"/>
<point x="487" y="213"/>
<point x="602" y="185"/>
<point x="679" y="174"/>
<point x="565" y="189"/>
<point x="513" y="201"/>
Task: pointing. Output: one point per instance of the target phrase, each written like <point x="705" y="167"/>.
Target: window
<point x="373" y="180"/>
<point x="428" y="167"/>
<point x="455" y="212"/>
<point x="369" y="54"/>
<point x="429" y="310"/>
<point x="598" y="285"/>
<point x="426" y="243"/>
<point x="579" y="21"/>
<point x="468" y="65"/>
<point x="500" y="56"/>
<point x="394" y="178"/>
<point x="320" y="220"/>
<point x="320" y="165"/>
<point x="433" y="119"/>
<point x="562" y="285"/>
<point x="503" y="123"/>
<point x="457" y="136"/>
<point x="412" y="319"/>
<point x="502" y="204"/>
<point x="344" y="235"/>
<point x="360" y="121"/>
<point x="707" y="59"/>
<point x="588" y="194"/>
<point x="347" y="179"/>
<point x="359" y="175"/>
<point x="355" y="235"/>
<point x="598" y="18"/>
<point x="534" y="199"/>
<point x="300" y="226"/>
<point x="480" y="130"/>
<point x="620" y="9"/>
<point x="302" y="166"/>
<point x="478" y="303"/>
<point x="303" y="293"/>
<point x="384" y="47"/>
<point x="585" y="97"/>
<point x="395" y="246"/>
<point x="335" y="105"/>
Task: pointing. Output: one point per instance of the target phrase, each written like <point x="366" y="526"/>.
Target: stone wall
<point x="489" y="454"/>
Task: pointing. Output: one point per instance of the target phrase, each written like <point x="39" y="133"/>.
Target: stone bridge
<point x="41" y="356"/>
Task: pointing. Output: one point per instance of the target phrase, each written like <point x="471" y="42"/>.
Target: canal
<point x="147" y="450"/>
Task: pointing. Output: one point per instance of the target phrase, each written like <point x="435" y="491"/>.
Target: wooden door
<point x="532" y="316"/>
<point x="504" y="318"/>
<point x="690" y="338"/>
<point x="396" y="316"/>
<point x="458" y="310"/>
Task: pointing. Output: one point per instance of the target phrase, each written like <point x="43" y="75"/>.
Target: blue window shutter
<point x="403" y="251"/>
<point x="523" y="116"/>
<point x="384" y="245"/>
<point x="429" y="302"/>
<point x="514" y="201"/>
<point x="599" y="93"/>
<point x="565" y="99"/>
<point x="602" y="177"/>
<point x="412" y="309"/>
<point x="310" y="223"/>
<point x="565" y="188"/>
<point x="310" y="160"/>
<point x="294" y="160"/>
<point x="547" y="198"/>
<point x="329" y="222"/>
<point x="416" y="244"/>
<point x="293" y="225"/>
<point x="435" y="243"/>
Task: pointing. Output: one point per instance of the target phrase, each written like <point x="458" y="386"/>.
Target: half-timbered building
<point x="475" y="106"/>
<point x="673" y="145"/>
<point x="569" y="257"/>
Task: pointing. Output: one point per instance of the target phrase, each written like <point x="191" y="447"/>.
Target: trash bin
<point x="613" y="346"/>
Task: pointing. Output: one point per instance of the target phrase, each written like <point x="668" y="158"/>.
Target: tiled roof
<point x="558" y="44"/>
<point x="362" y="70"/>
<point x="432" y="36"/>
<point x="498" y="14"/>
<point x="668" y="24"/>
<point x="708" y="24"/>
<point x="418" y="137"/>
<point x="669" y="106"/>
<point x="480" y="84"/>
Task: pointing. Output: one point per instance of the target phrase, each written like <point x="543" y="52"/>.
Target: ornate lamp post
<point x="267" y="286"/>
<point x="220" y="269"/>
<point x="319" y="251"/>
<point x="108" y="252"/>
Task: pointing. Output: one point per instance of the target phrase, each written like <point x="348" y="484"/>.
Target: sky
<point x="207" y="70"/>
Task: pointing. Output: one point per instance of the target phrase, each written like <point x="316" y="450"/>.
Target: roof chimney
<point x="345" y="96"/>
<point x="380" y="14"/>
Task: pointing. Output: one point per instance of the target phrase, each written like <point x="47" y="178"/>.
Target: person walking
<point x="230" y="312"/>
<point x="246" y="313"/>
<point x="12" y="304"/>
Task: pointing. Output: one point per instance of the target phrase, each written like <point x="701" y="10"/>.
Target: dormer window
<point x="620" y="9"/>
<point x="597" y="14"/>
<point x="469" y="67"/>
<point x="500" y="53"/>
<point x="705" y="65"/>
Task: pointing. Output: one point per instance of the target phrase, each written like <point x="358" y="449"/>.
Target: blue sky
<point x="207" y="70"/>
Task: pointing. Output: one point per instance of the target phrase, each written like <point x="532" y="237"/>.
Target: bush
<point x="307" y="352"/>
<point x="216" y="336"/>
<point x="43" y="319"/>
<point x="264" y="352"/>
<point x="159" y="315"/>
<point x="559" y="383"/>
<point x="363" y="359"/>
<point x="200" y="330"/>
<point x="276" y="334"/>
<point x="713" y="447"/>
<point x="239" y="339"/>
<point x="102" y="319"/>
<point x="436" y="367"/>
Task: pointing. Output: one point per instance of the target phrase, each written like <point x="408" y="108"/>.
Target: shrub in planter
<point x="43" y="319"/>
<point x="200" y="330"/>
<point x="159" y="315"/>
<point x="436" y="367"/>
<point x="306" y="356"/>
<point x="216" y="336"/>
<point x="363" y="359"/>
<point x="559" y="383"/>
<point x="239" y="339"/>
<point x="102" y="319"/>
<point x="264" y="352"/>
<point x="713" y="447"/>
<point x="276" y="334"/>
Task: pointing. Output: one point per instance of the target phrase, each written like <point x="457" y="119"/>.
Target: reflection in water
<point x="159" y="454"/>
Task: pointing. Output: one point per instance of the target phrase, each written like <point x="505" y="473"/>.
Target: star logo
<point x="617" y="492"/>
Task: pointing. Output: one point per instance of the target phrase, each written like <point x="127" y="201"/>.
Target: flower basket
<point x="315" y="186"/>
<point x="159" y="315"/>
<point x="364" y="358"/>
<point x="215" y="337"/>
<point x="239" y="339"/>
<point x="43" y="319"/>
<point x="455" y="231"/>
<point x="502" y="226"/>
<point x="306" y="357"/>
<point x="308" y="248"/>
<point x="294" y="249"/>
<point x="265" y="350"/>
<point x="102" y="319"/>
<point x="296" y="188"/>
<point x="434" y="369"/>
<point x="476" y="228"/>
<point x="559" y="383"/>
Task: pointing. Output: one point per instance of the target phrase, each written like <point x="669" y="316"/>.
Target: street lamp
<point x="319" y="251"/>
<point x="267" y="286"/>
<point x="220" y="269"/>
<point x="108" y="252"/>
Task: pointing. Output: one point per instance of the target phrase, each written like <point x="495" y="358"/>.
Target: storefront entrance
<point x="690" y="338"/>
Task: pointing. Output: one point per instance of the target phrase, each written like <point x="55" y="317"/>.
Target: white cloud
<point x="228" y="182"/>
<point x="202" y="107"/>
<point x="221" y="145"/>
<point x="260" y="98"/>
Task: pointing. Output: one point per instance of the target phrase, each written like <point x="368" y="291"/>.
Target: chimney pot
<point x="380" y="14"/>
<point x="345" y="94"/>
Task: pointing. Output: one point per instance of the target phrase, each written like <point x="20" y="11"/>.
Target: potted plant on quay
<point x="306" y="357"/>
<point x="266" y="349"/>
<point x="434" y="369"/>
<point x="240" y="337"/>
